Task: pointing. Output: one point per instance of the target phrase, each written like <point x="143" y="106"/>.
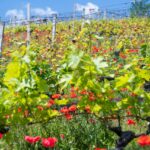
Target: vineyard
<point x="89" y="89"/>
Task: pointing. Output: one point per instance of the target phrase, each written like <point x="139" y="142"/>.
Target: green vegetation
<point x="74" y="91"/>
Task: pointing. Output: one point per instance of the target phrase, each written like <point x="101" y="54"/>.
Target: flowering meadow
<point x="87" y="90"/>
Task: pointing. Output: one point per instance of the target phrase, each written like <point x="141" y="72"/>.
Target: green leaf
<point x="143" y="50"/>
<point x="96" y="108"/>
<point x="122" y="103"/>
<point x="100" y="38"/>
<point x="65" y="80"/>
<point x="26" y="59"/>
<point x="99" y="63"/>
<point x="74" y="59"/>
<point x="61" y="102"/>
<point x="42" y="85"/>
<point x="13" y="71"/>
<point x="123" y="80"/>
<point x="53" y="113"/>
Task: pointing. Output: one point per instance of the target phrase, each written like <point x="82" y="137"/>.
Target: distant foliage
<point x="140" y="8"/>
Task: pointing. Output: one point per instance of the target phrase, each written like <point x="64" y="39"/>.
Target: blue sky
<point x="9" y="8"/>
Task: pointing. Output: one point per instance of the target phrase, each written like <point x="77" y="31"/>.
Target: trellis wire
<point x="63" y="17"/>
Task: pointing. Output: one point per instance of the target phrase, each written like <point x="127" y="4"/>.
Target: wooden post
<point x="90" y="14"/>
<point x="113" y="16"/>
<point x="1" y="37"/>
<point x="28" y="26"/>
<point x="54" y="28"/>
<point x="15" y="21"/>
<point x="105" y="14"/>
<point x="99" y="13"/>
<point x="74" y="15"/>
<point x="83" y="16"/>
<point x="10" y="22"/>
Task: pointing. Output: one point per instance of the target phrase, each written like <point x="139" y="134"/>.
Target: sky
<point x="11" y="8"/>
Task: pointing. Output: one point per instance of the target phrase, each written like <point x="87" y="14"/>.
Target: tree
<point x="140" y="8"/>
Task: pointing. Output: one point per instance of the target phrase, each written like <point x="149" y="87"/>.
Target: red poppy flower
<point x="65" y="96"/>
<point x="129" y="113"/>
<point x="91" y="120"/>
<point x="19" y="109"/>
<point x="133" y="50"/>
<point x="131" y="122"/>
<point x="87" y="109"/>
<point x="95" y="49"/>
<point x="73" y="89"/>
<point x="144" y="140"/>
<point x="50" y="103"/>
<point x="72" y="108"/>
<point x="91" y="94"/>
<point x="83" y="92"/>
<point x="32" y="140"/>
<point x="26" y="113"/>
<point x="73" y="95"/>
<point x="123" y="56"/>
<point x="105" y="51"/>
<point x="133" y="94"/>
<point x="40" y="108"/>
<point x="62" y="136"/>
<point x="115" y="59"/>
<point x="100" y="149"/>
<point x="120" y="65"/>
<point x="64" y="110"/>
<point x="92" y="98"/>
<point x="1" y="135"/>
<point x="49" y="142"/>
<point x="36" y="30"/>
<point x="68" y="116"/>
<point x="76" y="88"/>
<point x="129" y="107"/>
<point x="79" y="98"/>
<point x="7" y="116"/>
<point x="56" y="96"/>
<point x="124" y="89"/>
